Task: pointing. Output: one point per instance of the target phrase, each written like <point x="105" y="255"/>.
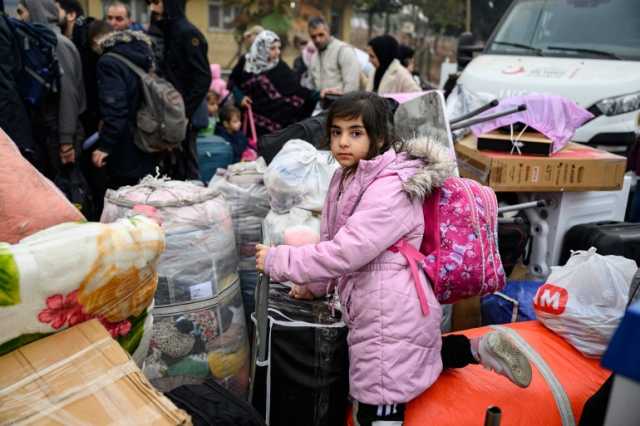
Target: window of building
<point x="221" y="17"/>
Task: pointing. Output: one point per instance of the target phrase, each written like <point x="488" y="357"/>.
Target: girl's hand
<point x="261" y="256"/>
<point x="301" y="292"/>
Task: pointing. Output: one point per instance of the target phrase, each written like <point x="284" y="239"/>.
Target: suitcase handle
<point x="262" y="320"/>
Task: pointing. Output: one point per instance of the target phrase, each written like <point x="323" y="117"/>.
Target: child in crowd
<point x="229" y="128"/>
<point x="374" y="201"/>
<point x="215" y="98"/>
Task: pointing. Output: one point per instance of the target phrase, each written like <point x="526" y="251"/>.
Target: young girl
<point x="374" y="201"/>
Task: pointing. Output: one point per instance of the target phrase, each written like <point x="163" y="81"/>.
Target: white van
<point x="585" y="50"/>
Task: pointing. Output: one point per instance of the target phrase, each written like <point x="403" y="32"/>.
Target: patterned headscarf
<point x="257" y="60"/>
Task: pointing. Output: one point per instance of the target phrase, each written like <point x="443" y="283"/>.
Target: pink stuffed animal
<point x="218" y="85"/>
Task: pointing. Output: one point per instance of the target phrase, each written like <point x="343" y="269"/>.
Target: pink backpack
<point x="459" y="252"/>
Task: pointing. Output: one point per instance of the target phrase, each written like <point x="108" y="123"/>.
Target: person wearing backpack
<point x="75" y="26"/>
<point x="185" y="64"/>
<point x="120" y="97"/>
<point x="60" y="129"/>
<point x="374" y="207"/>
<point x="13" y="114"/>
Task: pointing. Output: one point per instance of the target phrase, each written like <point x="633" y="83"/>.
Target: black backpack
<point x="210" y="404"/>
<point x="311" y="130"/>
<point x="41" y="73"/>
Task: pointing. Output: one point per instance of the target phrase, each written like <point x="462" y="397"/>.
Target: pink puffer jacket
<point x="394" y="350"/>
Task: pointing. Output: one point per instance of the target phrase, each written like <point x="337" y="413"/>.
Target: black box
<point x="530" y="143"/>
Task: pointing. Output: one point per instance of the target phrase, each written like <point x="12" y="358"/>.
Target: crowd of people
<point x="87" y="117"/>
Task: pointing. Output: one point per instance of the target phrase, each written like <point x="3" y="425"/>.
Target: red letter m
<point x="551" y="299"/>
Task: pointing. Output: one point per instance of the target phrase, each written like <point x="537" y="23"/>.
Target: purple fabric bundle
<point x="555" y="117"/>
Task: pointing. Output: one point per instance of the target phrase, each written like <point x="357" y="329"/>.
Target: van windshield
<point x="595" y="29"/>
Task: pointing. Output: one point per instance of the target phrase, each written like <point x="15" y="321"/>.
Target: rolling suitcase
<point x="300" y="360"/>
<point x="618" y="238"/>
<point x="213" y="153"/>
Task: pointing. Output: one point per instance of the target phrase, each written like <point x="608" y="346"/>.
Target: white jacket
<point x="396" y="79"/>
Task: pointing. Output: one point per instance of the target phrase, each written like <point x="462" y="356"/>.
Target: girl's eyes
<point x="335" y="132"/>
<point x="356" y="134"/>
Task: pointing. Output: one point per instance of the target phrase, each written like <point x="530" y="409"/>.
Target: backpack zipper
<point x="476" y="224"/>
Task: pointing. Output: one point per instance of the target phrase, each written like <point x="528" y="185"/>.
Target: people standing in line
<point x="120" y="95"/>
<point x="336" y="65"/>
<point x="58" y="130"/>
<point x="390" y="76"/>
<point x="118" y="15"/>
<point x="185" y="65"/>
<point x="14" y="119"/>
<point x="267" y="84"/>
<point x="75" y="26"/>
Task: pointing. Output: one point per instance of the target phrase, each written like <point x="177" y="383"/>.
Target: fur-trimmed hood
<point x="439" y="165"/>
<point x="134" y="45"/>
<point x="126" y="36"/>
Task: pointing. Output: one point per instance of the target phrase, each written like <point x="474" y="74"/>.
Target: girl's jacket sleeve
<point x="381" y="218"/>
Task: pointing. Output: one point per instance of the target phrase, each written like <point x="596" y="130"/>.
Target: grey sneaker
<point x="498" y="353"/>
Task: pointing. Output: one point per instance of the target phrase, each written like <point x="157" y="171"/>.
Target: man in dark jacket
<point x="75" y="26"/>
<point x="119" y="95"/>
<point x="186" y="66"/>
<point x="13" y="114"/>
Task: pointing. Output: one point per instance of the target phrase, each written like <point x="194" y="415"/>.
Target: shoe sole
<point x="518" y="364"/>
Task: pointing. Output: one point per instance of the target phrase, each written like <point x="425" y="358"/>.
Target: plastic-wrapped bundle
<point x="297" y="221"/>
<point x="247" y="172"/>
<point x="200" y="259"/>
<point x="73" y="272"/>
<point x="195" y="340"/>
<point x="249" y="205"/>
<point x="299" y="176"/>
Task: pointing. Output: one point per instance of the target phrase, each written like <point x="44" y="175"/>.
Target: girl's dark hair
<point x="376" y="115"/>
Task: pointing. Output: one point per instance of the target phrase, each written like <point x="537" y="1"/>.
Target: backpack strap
<point x="413" y="256"/>
<point x="141" y="73"/>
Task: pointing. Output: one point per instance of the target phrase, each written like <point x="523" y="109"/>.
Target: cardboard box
<point x="529" y="143"/>
<point x="575" y="168"/>
<point x="80" y="376"/>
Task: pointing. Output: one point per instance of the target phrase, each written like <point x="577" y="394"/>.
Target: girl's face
<point x="349" y="141"/>
<point x="274" y="52"/>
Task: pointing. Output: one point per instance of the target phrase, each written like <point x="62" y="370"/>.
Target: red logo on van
<point x="551" y="299"/>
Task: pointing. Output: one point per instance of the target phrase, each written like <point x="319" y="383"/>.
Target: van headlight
<point x="619" y="104"/>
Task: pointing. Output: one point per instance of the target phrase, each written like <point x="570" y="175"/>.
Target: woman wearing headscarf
<point x="390" y="75"/>
<point x="272" y="89"/>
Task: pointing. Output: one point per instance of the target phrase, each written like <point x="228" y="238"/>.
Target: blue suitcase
<point x="213" y="153"/>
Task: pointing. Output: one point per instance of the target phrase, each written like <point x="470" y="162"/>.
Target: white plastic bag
<point x="299" y="176"/>
<point x="585" y="300"/>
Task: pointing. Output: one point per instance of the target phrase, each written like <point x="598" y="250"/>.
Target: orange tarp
<point x="461" y="396"/>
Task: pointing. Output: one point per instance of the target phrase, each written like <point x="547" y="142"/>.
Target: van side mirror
<point x="468" y="47"/>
